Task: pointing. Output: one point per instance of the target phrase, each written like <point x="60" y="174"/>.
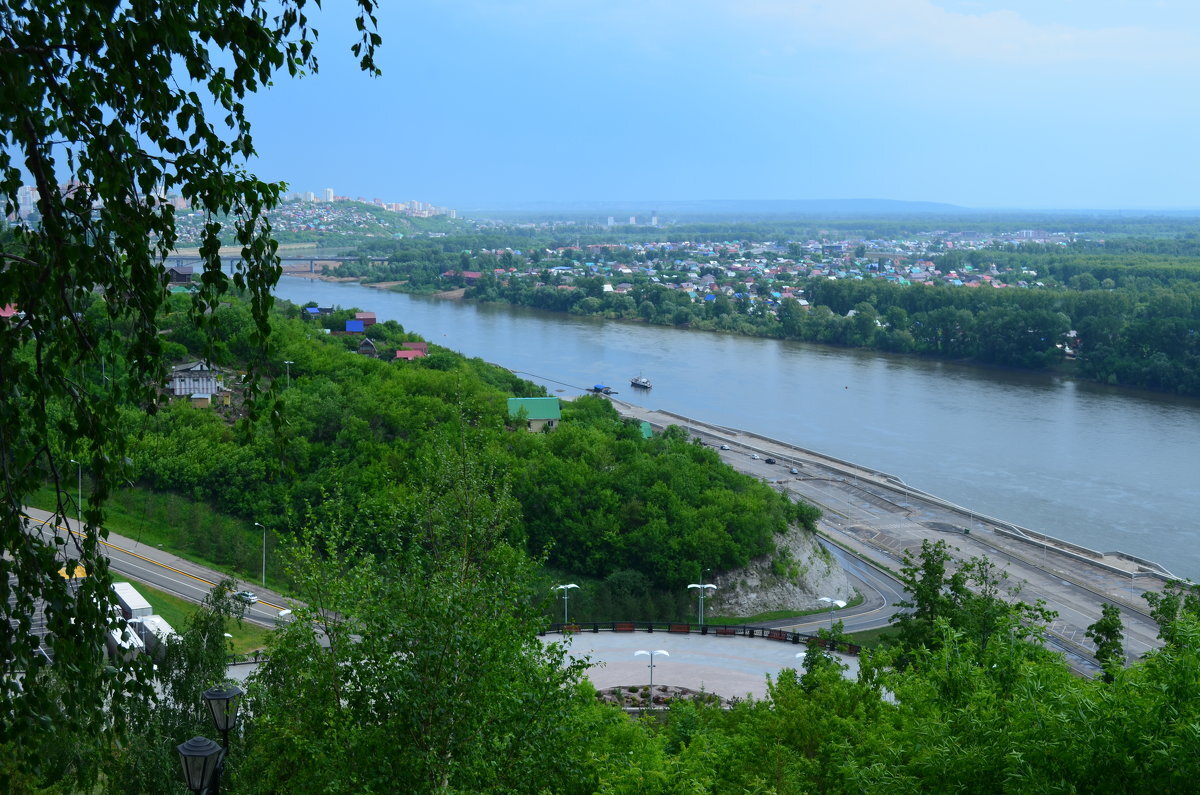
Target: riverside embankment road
<point x="878" y="518"/>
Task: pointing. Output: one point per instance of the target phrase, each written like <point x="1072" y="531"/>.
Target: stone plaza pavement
<point x="729" y="666"/>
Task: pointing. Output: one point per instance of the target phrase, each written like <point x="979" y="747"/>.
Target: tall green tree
<point x="104" y="109"/>
<point x="417" y="661"/>
<point x="1179" y="599"/>
<point x="1106" y="634"/>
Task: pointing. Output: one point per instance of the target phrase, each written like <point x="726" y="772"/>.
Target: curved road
<point x="878" y="518"/>
<point x="164" y="571"/>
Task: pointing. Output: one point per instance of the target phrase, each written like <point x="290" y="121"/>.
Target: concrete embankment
<point x="880" y="518"/>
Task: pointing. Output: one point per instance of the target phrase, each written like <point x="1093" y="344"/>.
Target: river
<point x="1105" y="468"/>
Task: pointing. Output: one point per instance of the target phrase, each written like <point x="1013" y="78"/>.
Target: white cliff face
<point x="774" y="584"/>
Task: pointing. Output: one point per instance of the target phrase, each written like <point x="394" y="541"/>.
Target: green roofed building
<point x="539" y="413"/>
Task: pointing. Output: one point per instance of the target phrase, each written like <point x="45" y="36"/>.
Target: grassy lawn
<point x="178" y="612"/>
<point x="778" y="615"/>
<point x="870" y="638"/>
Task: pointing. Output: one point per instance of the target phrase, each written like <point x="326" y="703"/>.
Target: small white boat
<point x="641" y="382"/>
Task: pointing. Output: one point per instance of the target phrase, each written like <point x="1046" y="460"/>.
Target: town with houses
<point x="766" y="271"/>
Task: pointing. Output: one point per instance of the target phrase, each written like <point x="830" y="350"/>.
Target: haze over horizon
<point x="985" y="104"/>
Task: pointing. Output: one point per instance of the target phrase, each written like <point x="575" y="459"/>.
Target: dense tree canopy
<point x="595" y="495"/>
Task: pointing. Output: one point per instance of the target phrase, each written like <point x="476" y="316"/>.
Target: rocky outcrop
<point x="794" y="579"/>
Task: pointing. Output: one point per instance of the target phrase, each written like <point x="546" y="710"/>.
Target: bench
<point x="777" y="634"/>
<point x="623" y="626"/>
<point x="726" y="631"/>
<point x="680" y="628"/>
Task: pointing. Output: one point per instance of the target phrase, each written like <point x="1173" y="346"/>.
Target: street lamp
<point x="703" y="590"/>
<point x="264" y="570"/>
<point x="838" y="603"/>
<point x="200" y="758"/>
<point x="288" y="365"/>
<point x="641" y="652"/>
<point x="566" y="594"/>
<point x="223" y="704"/>
<point x="78" y="495"/>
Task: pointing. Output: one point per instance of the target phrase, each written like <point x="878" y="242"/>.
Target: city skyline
<point x="989" y="104"/>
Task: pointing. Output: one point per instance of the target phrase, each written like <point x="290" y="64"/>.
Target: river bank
<point x="1095" y="466"/>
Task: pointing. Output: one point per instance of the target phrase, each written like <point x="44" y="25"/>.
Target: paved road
<point x="879" y="518"/>
<point x="167" y="572"/>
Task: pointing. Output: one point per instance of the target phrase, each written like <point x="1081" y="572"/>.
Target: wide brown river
<point x="1106" y="468"/>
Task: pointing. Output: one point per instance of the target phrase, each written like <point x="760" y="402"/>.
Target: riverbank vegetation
<point x="1123" y="312"/>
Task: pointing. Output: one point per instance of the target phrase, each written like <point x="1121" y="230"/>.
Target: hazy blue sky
<point x="985" y="103"/>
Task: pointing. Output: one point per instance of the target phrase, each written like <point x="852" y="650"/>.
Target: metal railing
<point x="719" y="630"/>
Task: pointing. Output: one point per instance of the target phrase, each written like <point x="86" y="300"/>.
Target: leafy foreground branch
<point x="106" y="107"/>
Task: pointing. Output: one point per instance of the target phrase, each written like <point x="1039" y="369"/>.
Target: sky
<point x="1036" y="104"/>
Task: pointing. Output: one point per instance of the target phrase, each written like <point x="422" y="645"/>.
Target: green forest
<point x="595" y="498"/>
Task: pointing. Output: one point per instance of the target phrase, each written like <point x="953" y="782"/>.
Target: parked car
<point x="770" y="460"/>
<point x="794" y="471"/>
<point x="724" y="447"/>
<point x="249" y="597"/>
<point x="754" y="456"/>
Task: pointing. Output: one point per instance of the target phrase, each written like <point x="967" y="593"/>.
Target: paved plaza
<point x="729" y="666"/>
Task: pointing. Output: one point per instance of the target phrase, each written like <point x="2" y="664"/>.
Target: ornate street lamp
<point x="200" y="758"/>
<point x="223" y="704"/>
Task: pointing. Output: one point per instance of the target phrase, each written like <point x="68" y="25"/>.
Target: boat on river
<point x="641" y="382"/>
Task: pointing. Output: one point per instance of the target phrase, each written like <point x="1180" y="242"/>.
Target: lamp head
<point x="199" y="758"/>
<point x="223" y="703"/>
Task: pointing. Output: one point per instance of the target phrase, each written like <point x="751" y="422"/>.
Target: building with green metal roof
<point x="539" y="413"/>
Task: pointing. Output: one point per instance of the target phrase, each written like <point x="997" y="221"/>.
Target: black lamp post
<point x="223" y="704"/>
<point x="201" y="761"/>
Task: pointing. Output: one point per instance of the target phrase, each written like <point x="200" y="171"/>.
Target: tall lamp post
<point x="565" y="590"/>
<point x="264" y="568"/>
<point x="703" y="589"/>
<point x="288" y="364"/>
<point x="642" y="652"/>
<point x="838" y="603"/>
<point x="78" y="495"/>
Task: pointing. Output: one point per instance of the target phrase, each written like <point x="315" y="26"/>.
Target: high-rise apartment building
<point x="327" y="195"/>
<point x="26" y="200"/>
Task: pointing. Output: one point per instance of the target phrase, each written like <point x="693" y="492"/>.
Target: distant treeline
<point x="711" y="227"/>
